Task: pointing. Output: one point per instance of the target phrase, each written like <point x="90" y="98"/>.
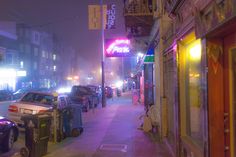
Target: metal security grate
<point x="114" y="147"/>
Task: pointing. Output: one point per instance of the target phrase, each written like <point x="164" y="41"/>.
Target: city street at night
<point x="111" y="131"/>
<point x="117" y="78"/>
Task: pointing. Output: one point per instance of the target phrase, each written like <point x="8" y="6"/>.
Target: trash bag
<point x="147" y="125"/>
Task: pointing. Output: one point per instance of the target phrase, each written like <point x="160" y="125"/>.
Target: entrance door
<point x="169" y="93"/>
<point x="233" y="100"/>
<point x="230" y="93"/>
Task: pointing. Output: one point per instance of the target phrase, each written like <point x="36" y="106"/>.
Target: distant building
<point x="8" y="56"/>
<point x="36" y="57"/>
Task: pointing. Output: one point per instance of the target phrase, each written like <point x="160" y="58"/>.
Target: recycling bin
<point x="76" y="121"/>
<point x="37" y="133"/>
<point x="66" y="120"/>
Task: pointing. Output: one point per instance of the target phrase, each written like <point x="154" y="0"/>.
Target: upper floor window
<point x="21" y="47"/>
<point x="43" y="53"/>
<point x="9" y="58"/>
<point x="54" y="68"/>
<point x="35" y="66"/>
<point x="21" y="64"/>
<point x="54" y="57"/>
<point x="27" y="48"/>
<point x="36" y="37"/>
<point x="36" y="51"/>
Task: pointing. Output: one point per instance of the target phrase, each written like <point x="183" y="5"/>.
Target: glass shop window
<point x="194" y="122"/>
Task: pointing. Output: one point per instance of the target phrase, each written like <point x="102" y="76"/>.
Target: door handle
<point x="226" y="131"/>
<point x="226" y="148"/>
<point x="226" y="117"/>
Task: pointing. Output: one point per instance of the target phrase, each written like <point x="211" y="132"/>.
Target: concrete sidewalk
<point x="111" y="132"/>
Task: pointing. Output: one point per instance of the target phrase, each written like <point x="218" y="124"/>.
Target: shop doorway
<point x="230" y="103"/>
<point x="222" y="95"/>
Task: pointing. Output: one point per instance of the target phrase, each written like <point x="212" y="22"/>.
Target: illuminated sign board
<point x="118" y="48"/>
<point x="111" y="16"/>
<point x="149" y="57"/>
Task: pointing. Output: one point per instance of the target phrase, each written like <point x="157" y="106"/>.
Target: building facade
<point x="197" y="40"/>
<point x="135" y="13"/>
<point x="195" y="76"/>
<point x="37" y="57"/>
<point x="9" y="63"/>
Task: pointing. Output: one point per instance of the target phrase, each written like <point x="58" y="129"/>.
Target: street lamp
<point x="102" y="64"/>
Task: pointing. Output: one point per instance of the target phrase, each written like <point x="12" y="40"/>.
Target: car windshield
<point x="38" y="98"/>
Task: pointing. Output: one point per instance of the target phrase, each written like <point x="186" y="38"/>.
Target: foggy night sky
<point x="68" y="19"/>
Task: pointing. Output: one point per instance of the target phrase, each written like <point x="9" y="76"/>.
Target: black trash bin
<point x="66" y="120"/>
<point x="76" y="121"/>
<point x="37" y="133"/>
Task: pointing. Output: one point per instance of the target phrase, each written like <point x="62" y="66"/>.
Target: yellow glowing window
<point x="195" y="50"/>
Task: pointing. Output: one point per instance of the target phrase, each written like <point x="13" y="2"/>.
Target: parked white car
<point x="34" y="103"/>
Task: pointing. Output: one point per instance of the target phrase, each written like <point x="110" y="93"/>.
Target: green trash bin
<point x="37" y="133"/>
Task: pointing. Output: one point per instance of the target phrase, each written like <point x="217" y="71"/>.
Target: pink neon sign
<point x="118" y="48"/>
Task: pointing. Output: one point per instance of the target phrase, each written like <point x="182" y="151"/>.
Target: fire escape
<point x="138" y="17"/>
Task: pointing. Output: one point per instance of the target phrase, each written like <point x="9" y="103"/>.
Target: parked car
<point x="8" y="134"/>
<point x="94" y="91"/>
<point x="19" y="93"/>
<point x="34" y="103"/>
<point x="108" y="92"/>
<point x="5" y="95"/>
<point x="78" y="95"/>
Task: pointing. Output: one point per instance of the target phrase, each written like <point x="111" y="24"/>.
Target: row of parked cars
<point x="31" y="101"/>
<point x="6" y="95"/>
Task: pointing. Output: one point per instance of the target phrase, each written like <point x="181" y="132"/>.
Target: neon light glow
<point x="64" y="90"/>
<point x="21" y="73"/>
<point x="119" y="84"/>
<point x="8" y="79"/>
<point x="118" y="47"/>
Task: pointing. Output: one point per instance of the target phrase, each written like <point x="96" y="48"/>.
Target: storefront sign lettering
<point x="111" y="16"/>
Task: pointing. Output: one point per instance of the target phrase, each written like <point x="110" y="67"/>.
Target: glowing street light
<point x="69" y="78"/>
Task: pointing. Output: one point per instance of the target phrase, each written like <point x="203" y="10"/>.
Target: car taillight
<point x="13" y="108"/>
<point x="42" y="111"/>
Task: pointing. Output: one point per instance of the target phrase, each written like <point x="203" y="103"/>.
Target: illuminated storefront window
<point x="190" y="89"/>
<point x="193" y="71"/>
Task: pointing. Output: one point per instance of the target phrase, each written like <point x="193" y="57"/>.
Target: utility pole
<point x="102" y="64"/>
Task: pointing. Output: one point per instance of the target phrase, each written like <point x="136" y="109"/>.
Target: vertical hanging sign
<point x="111" y="16"/>
<point x="94" y="17"/>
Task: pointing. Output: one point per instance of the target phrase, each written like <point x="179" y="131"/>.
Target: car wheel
<point x="75" y="132"/>
<point x="24" y="152"/>
<point x="9" y="141"/>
